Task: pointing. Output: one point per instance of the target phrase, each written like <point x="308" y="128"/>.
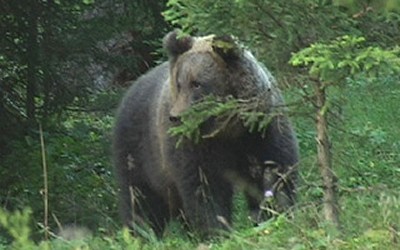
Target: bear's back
<point x="136" y="116"/>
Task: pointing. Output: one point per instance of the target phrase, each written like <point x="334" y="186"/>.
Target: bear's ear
<point x="175" y="45"/>
<point x="227" y="47"/>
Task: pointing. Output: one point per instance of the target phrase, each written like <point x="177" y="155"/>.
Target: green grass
<point x="366" y="148"/>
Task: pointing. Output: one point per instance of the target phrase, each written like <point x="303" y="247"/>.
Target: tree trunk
<point x="331" y="207"/>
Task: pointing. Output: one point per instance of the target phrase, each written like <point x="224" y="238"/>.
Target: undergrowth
<point x="366" y="148"/>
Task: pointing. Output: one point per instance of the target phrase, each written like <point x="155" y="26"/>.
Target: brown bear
<point x="195" y="181"/>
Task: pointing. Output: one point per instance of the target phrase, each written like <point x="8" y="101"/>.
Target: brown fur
<point x="159" y="181"/>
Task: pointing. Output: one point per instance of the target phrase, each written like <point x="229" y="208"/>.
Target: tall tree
<point x="329" y="65"/>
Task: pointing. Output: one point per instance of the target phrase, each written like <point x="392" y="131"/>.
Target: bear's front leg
<point x="207" y="201"/>
<point x="273" y="159"/>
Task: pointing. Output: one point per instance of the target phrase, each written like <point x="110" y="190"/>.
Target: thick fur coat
<point x="159" y="181"/>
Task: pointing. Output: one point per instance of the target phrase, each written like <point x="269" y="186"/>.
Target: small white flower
<point x="268" y="194"/>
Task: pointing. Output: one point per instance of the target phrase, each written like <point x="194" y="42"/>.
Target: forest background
<point x="64" y="66"/>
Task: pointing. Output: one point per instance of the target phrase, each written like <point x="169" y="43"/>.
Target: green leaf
<point x="88" y="2"/>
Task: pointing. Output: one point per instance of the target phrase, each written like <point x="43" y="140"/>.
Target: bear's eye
<point x="195" y="84"/>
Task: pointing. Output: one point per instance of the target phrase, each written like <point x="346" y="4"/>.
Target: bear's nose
<point x="175" y="119"/>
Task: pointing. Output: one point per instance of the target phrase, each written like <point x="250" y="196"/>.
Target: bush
<point x="81" y="186"/>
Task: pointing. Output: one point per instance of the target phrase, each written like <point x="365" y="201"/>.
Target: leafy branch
<point x="250" y="113"/>
<point x="346" y="56"/>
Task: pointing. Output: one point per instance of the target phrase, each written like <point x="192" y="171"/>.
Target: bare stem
<point x="45" y="188"/>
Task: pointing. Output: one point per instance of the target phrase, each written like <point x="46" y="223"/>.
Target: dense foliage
<point x="275" y="29"/>
<point x="55" y="54"/>
<point x="64" y="64"/>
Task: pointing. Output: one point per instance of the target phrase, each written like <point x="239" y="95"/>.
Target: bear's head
<point x="211" y="65"/>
